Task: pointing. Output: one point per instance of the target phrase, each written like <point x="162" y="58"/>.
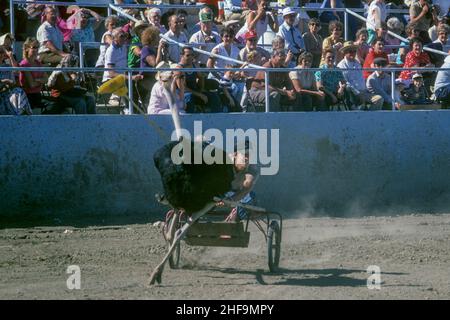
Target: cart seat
<point x="218" y="234"/>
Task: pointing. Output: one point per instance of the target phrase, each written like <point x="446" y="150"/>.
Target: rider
<point x="245" y="177"/>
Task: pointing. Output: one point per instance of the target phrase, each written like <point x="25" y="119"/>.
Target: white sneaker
<point x="125" y="111"/>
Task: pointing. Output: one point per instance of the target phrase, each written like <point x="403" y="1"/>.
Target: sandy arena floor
<point x="322" y="258"/>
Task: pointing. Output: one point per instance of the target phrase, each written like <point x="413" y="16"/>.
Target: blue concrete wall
<point x="335" y="163"/>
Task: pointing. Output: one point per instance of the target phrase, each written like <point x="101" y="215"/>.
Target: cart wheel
<point x="273" y="245"/>
<point x="172" y="224"/>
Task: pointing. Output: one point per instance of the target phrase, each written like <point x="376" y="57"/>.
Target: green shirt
<point x="134" y="61"/>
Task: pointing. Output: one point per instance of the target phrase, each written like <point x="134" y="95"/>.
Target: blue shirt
<point x="354" y="78"/>
<point x="443" y="77"/>
<point x="329" y="79"/>
<point x="293" y="38"/>
<point x="232" y="6"/>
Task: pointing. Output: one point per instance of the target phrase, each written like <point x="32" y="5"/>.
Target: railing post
<point x="266" y="88"/>
<point x="109" y="8"/>
<point x="393" y="89"/>
<point x="81" y="53"/>
<point x="345" y="25"/>
<point x="130" y="92"/>
<point x="11" y="21"/>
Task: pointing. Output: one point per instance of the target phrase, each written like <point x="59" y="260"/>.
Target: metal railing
<point x="250" y="68"/>
<point x="267" y="71"/>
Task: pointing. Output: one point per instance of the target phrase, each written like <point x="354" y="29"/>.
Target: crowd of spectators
<point x="302" y="39"/>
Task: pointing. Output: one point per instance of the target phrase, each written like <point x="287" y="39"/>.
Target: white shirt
<point x="116" y="57"/>
<point x="199" y="37"/>
<point x="175" y="50"/>
<point x="47" y="32"/>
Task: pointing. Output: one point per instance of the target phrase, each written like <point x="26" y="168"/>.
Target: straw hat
<point x="348" y="45"/>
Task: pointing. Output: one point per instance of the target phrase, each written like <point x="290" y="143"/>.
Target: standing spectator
<point x="416" y="58"/>
<point x="206" y="36"/>
<point x="281" y="94"/>
<point x="377" y="14"/>
<point x="396" y="26"/>
<point x="304" y="82"/>
<point x="291" y="35"/>
<point x="332" y="83"/>
<point x="258" y="21"/>
<point x="422" y="15"/>
<point x="313" y="41"/>
<point x="442" y="85"/>
<point x="379" y="83"/>
<point x="251" y="40"/>
<point x="328" y="16"/>
<point x="361" y="42"/>
<point x="377" y="51"/>
<point x="32" y="81"/>
<point x="360" y="97"/>
<point x="50" y="39"/>
<point x="107" y="38"/>
<point x="334" y="41"/>
<point x="172" y="52"/>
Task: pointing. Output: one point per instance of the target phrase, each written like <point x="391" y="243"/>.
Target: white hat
<point x="288" y="10"/>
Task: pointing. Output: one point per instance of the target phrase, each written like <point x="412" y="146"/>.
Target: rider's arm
<point x="247" y="186"/>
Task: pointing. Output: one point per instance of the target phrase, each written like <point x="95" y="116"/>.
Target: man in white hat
<point x="361" y="98"/>
<point x="288" y="31"/>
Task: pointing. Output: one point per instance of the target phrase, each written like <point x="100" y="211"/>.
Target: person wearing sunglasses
<point x="313" y="41"/>
<point x="32" y="81"/>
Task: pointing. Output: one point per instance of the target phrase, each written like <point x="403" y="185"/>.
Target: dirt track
<point x="322" y="258"/>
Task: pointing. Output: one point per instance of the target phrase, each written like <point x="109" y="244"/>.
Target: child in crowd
<point x="416" y="93"/>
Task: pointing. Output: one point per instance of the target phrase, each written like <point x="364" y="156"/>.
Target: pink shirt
<point x="34" y="74"/>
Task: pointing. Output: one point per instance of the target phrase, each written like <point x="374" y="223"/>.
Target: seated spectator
<point x="416" y="58"/>
<point x="50" y="39"/>
<point x="134" y="51"/>
<point x="379" y="83"/>
<point x="332" y="83"/>
<point x="433" y="31"/>
<point x="153" y="16"/>
<point x="13" y="100"/>
<point x="116" y="55"/>
<point x="304" y="82"/>
<point x="377" y="51"/>
<point x="439" y="44"/>
<point x="396" y="26"/>
<point x="64" y="88"/>
<point x="229" y="91"/>
<point x="442" y="85"/>
<point x="151" y="56"/>
<point x="411" y="32"/>
<point x="226" y="48"/>
<point x="281" y="94"/>
<point x="207" y="12"/>
<point x="313" y="41"/>
<point x="358" y="95"/>
<point x="201" y="94"/>
<point x="110" y="23"/>
<point x="279" y="43"/>
<point x="334" y="41"/>
<point x="258" y="21"/>
<point x="416" y="93"/>
<point x="206" y="37"/>
<point x="6" y="41"/>
<point x="363" y="47"/>
<point x="288" y="31"/>
<point x="32" y="81"/>
<point x="166" y="91"/>
<point x="172" y="52"/>
<point x="251" y="40"/>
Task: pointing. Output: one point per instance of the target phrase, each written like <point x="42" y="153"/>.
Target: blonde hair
<point x="150" y="36"/>
<point x="29" y="42"/>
